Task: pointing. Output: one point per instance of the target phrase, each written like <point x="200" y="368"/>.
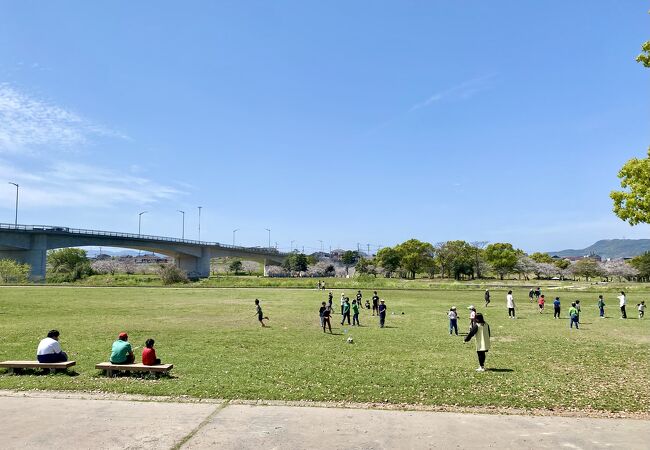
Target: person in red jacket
<point x="149" y="354"/>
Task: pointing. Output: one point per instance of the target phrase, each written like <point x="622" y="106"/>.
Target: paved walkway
<point x="53" y="421"/>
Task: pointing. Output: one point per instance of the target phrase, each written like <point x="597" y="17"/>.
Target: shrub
<point x="13" y="272"/>
<point x="170" y="274"/>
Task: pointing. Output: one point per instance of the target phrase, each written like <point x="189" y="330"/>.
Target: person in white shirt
<point x="49" y="349"/>
<point x="510" y="303"/>
<point x="621" y="303"/>
<point x="641" y="308"/>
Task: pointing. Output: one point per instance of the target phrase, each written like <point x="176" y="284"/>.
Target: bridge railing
<point x="147" y="237"/>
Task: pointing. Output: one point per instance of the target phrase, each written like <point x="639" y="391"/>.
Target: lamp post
<point x="200" y="208"/>
<point x="233" y="236"/>
<point x="183" y="229"/>
<point x="291" y="249"/>
<point x="321" y="245"/>
<point x="16" y="220"/>
<point x="140" y="221"/>
<point x="269" y="230"/>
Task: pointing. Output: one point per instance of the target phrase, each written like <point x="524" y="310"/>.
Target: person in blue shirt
<point x="556" y="308"/>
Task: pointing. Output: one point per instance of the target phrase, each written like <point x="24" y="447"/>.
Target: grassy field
<point x="220" y="351"/>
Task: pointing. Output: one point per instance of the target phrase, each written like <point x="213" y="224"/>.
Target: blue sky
<point x="346" y="122"/>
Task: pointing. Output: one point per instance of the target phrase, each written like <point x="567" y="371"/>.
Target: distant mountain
<point x="610" y="248"/>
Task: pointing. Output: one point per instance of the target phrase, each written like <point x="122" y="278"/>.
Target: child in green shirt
<point x="574" y="316"/>
<point x="355" y="312"/>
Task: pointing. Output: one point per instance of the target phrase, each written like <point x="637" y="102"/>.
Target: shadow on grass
<point x="499" y="370"/>
<point x="42" y="372"/>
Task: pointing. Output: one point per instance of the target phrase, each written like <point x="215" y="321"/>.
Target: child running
<point x="453" y="320"/>
<point x="259" y="313"/>
<point x="641" y="308"/>
<point x="540" y="302"/>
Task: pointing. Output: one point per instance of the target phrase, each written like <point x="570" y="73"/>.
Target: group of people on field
<point x="49" y="350"/>
<point x="348" y="309"/>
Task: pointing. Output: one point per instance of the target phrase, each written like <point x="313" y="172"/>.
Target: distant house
<point x="578" y="258"/>
<point x="152" y="259"/>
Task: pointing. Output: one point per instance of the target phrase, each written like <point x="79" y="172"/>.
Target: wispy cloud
<point x="463" y="91"/>
<point x="64" y="184"/>
<point x="27" y="123"/>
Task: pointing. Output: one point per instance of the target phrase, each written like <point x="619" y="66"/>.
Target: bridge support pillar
<point x="195" y="265"/>
<point x="35" y="256"/>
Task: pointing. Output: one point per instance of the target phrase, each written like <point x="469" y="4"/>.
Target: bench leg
<point x="52" y="371"/>
<point x="10" y="371"/>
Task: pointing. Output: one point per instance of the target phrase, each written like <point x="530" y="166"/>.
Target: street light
<point x="200" y="207"/>
<point x="183" y="232"/>
<point x="140" y="221"/>
<point x="233" y="236"/>
<point x="269" y="230"/>
<point x="291" y="249"/>
<point x="15" y="184"/>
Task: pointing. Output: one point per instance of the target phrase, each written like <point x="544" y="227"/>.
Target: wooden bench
<point x="12" y="365"/>
<point x="157" y="369"/>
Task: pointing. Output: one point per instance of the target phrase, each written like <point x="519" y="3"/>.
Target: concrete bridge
<point x="30" y="243"/>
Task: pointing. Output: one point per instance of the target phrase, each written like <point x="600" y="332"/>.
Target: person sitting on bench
<point x="149" y="354"/>
<point x="121" y="352"/>
<point x="49" y="350"/>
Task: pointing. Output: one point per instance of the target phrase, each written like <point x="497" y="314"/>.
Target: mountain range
<point x="610" y="249"/>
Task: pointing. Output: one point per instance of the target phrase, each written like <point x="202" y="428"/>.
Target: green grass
<point x="220" y="351"/>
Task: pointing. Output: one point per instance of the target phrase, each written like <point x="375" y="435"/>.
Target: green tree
<point x="458" y="258"/>
<point x="587" y="268"/>
<point x="633" y="204"/>
<point x="642" y="264"/>
<point x="235" y="266"/>
<point x="415" y="256"/>
<point x="502" y="257"/>
<point x="644" y="56"/>
<point x="540" y="257"/>
<point x="69" y="264"/>
<point x="389" y="259"/>
<point x="13" y="272"/>
<point x="366" y="266"/>
<point x="296" y="262"/>
<point x="349" y="258"/>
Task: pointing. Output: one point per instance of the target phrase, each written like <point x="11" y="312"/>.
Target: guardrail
<point x="147" y="237"/>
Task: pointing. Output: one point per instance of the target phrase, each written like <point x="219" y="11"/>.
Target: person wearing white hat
<point x="472" y="316"/>
<point x="453" y="320"/>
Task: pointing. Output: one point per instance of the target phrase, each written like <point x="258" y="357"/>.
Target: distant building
<point x="152" y="259"/>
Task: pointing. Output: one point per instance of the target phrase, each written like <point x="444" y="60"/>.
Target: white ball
<point x="350" y="340"/>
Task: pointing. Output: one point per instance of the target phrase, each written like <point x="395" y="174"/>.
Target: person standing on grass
<point x="574" y="316"/>
<point x="510" y="303"/>
<point x="641" y="308"/>
<point x="49" y="349"/>
<point x="321" y="312"/>
<point x="622" y="302"/>
<point x="259" y="313"/>
<point x="472" y="316"/>
<point x="355" y="312"/>
<point x="601" y="306"/>
<point x="375" y="303"/>
<point x="453" y="320"/>
<point x="382" y="313"/>
<point x="330" y="297"/>
<point x="531" y="294"/>
<point x="556" y="308"/>
<point x="540" y="302"/>
<point x="327" y="313"/>
<point x="346" y="311"/>
<point x="487" y="297"/>
<point x="538" y="292"/>
<point x="342" y="301"/>
<point x="481" y="331"/>
<point x="359" y="297"/>
<point x="121" y="351"/>
<point x="578" y="307"/>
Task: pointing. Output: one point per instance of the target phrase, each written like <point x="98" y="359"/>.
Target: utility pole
<point x="200" y="208"/>
<point x="140" y="221"/>
<point x="269" y="230"/>
<point x="16" y="219"/>
<point x="358" y="248"/>
<point x="183" y="229"/>
<point x="291" y="249"/>
<point x="233" y="236"/>
<point x="321" y="245"/>
<point x="368" y="249"/>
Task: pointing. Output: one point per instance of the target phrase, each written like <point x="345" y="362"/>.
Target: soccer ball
<point x="350" y="340"/>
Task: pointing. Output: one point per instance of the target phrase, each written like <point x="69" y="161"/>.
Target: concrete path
<point x="79" y="421"/>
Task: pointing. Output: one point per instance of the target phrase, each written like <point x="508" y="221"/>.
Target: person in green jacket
<point x="481" y="331"/>
<point x="355" y="312"/>
<point x="574" y="316"/>
<point x="601" y="306"/>
<point x="345" y="310"/>
<point x="121" y="351"/>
